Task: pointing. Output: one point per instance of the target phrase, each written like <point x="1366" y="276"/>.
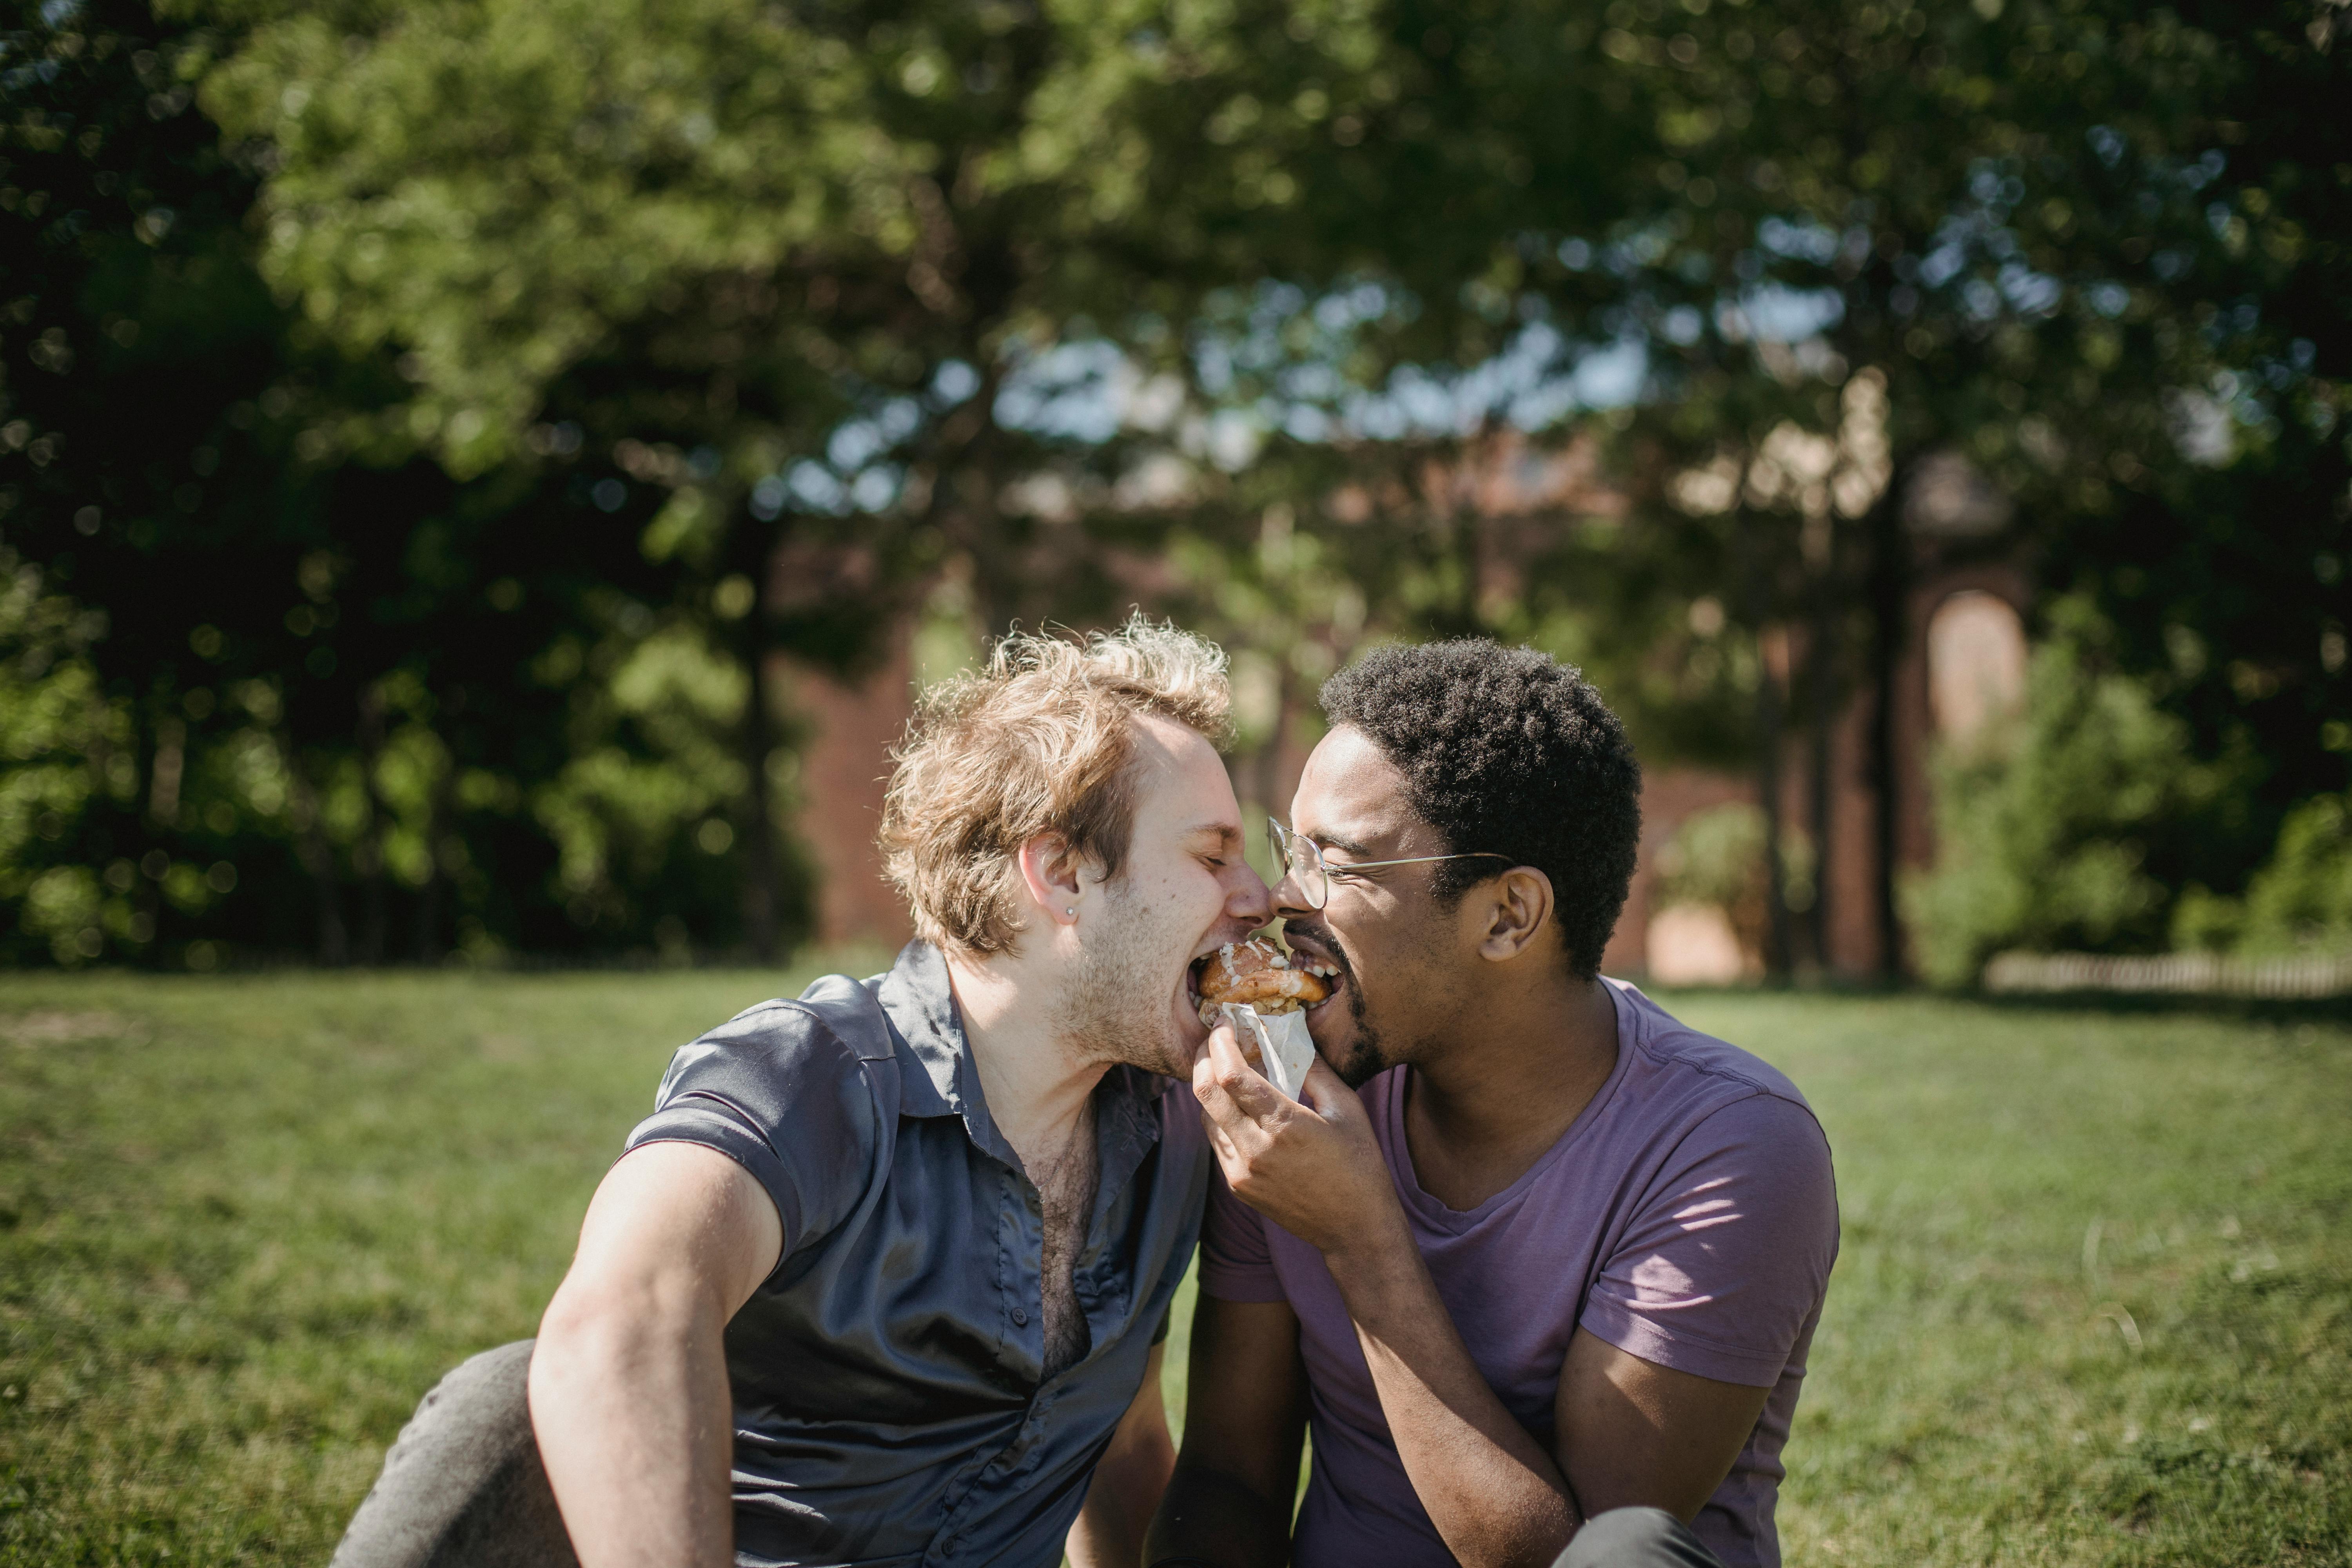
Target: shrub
<point x="2046" y="822"/>
<point x="1717" y="857"/>
<point x="2300" y="902"/>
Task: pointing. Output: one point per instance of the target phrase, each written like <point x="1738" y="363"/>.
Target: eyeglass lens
<point x="1296" y="855"/>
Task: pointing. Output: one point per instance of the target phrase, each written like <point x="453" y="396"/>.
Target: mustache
<point x="1322" y="937"/>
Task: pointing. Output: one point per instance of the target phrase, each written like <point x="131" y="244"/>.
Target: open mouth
<point x="1310" y="956"/>
<point x="1261" y="975"/>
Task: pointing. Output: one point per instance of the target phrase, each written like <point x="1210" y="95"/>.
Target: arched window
<point x="1975" y="662"/>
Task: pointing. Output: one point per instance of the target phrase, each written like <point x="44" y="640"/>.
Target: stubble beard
<point x="1116" y="1009"/>
<point x="1365" y="1060"/>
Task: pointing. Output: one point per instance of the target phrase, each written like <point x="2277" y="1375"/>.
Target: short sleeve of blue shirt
<point x="776" y="1091"/>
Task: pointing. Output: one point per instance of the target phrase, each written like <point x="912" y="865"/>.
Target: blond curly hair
<point x="1039" y="742"/>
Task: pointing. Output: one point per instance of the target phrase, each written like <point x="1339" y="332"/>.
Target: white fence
<point x="2182" y="973"/>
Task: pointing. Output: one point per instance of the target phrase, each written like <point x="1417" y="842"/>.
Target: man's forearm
<point x="631" y="1406"/>
<point x="1217" y="1520"/>
<point x="1127" y="1486"/>
<point x="1497" y="1498"/>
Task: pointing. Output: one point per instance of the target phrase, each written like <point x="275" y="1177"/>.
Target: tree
<point x="798" y="271"/>
<point x="2001" y="216"/>
<point x="279" y="686"/>
<point x="631" y="345"/>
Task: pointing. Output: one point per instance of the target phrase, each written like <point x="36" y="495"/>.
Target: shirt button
<point x="1020" y="1318"/>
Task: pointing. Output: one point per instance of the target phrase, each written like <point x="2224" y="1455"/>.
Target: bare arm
<point x="1236" y="1479"/>
<point x="1128" y="1481"/>
<point x="1630" y="1432"/>
<point x="628" y="1383"/>
<point x="1494" y="1495"/>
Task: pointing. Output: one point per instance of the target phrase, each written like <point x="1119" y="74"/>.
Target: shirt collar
<point x="1127" y="1124"/>
<point x="929" y="1034"/>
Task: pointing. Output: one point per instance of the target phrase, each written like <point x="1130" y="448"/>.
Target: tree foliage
<point x="2074" y="825"/>
<point x="514" y="383"/>
<point x="269" y="695"/>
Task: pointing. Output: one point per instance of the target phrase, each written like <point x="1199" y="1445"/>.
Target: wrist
<point x="1374" y="1251"/>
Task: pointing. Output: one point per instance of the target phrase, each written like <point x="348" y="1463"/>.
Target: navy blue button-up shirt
<point x="890" y="1406"/>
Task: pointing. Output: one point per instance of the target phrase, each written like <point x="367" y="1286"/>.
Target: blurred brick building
<point x="1963" y="666"/>
<point x="848" y="731"/>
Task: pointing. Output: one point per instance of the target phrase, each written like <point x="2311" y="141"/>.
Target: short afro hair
<point x="1511" y="752"/>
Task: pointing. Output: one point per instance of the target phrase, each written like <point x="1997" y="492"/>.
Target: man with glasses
<point x="1544" y="1289"/>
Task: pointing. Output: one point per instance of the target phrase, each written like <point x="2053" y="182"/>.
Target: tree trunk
<point x="1757" y="592"/>
<point x="164" y="772"/>
<point x="429" y="897"/>
<point x="369" y="851"/>
<point x="166" y="758"/>
<point x="318" y="856"/>
<point x="1003" y="588"/>
<point x="757" y="862"/>
<point x="1822" y="646"/>
<point x="1777" y="943"/>
<point x="1887" y="588"/>
<point x="1470" y="534"/>
<point x="754" y="549"/>
<point x="1269" y="759"/>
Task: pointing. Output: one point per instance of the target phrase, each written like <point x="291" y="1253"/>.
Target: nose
<point x="1289" y="898"/>
<point x="1249" y="898"/>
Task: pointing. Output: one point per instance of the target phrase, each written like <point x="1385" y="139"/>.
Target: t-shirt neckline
<point x="1433" y="1209"/>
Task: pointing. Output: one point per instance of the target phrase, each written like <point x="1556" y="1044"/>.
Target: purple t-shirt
<point x="1687" y="1216"/>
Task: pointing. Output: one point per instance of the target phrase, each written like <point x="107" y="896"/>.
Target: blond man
<point x="883" y="1277"/>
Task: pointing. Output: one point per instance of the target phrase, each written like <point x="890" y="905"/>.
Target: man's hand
<point x="1312" y="1168"/>
<point x="629" y="1381"/>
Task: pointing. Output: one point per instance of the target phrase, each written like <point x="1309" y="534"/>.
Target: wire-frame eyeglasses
<point x="1300" y="857"/>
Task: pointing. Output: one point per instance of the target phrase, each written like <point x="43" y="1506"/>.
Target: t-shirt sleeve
<point x="780" y="1094"/>
<point x="1236" y="1264"/>
<point x="1729" y="1256"/>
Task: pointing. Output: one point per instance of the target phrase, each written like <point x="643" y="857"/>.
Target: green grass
<point x="2094" y="1304"/>
<point x="2094" y="1300"/>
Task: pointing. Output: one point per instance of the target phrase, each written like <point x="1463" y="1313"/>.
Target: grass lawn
<point x="2094" y="1304"/>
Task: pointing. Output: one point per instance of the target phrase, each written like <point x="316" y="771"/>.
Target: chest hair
<point x="1065" y="1192"/>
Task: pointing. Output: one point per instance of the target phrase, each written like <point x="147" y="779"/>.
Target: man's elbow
<point x="583" y="1314"/>
<point x="599" y="1332"/>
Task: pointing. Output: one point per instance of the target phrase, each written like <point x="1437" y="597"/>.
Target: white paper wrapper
<point x="1283" y="1043"/>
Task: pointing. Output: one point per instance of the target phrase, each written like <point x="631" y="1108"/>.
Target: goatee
<point x="1364" y="1060"/>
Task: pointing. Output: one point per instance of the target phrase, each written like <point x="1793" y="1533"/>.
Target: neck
<point x="1520" y="1070"/>
<point x="1037" y="1087"/>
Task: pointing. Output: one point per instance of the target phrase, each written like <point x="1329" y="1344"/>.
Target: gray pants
<point x="462" y="1487"/>
<point x="1635" y="1538"/>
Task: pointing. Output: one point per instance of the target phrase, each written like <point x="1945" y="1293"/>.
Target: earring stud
<point x="1074" y="911"/>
